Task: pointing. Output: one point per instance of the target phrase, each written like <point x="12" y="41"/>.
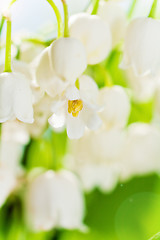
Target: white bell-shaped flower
<point x="143" y="88"/>
<point x="16" y="97"/>
<point x="42" y="111"/>
<point x="54" y="199"/>
<point x="7" y="183"/>
<point x="116" y="106"/>
<point x="114" y="15"/>
<point x="95" y="35"/>
<point x="10" y="169"/>
<point x="77" y="108"/>
<point x="60" y="65"/>
<point x="141" y="47"/>
<point x="96" y="158"/>
<point x="142" y="152"/>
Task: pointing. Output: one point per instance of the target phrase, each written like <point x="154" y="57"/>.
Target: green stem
<point x="1" y="25"/>
<point x="153" y="9"/>
<point x="106" y="75"/>
<point x="132" y="8"/>
<point x="58" y="16"/>
<point x="95" y="7"/>
<point x="8" y="47"/>
<point x="66" y="18"/>
<point x="11" y="3"/>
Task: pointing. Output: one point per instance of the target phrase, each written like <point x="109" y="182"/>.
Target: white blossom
<point x="114" y="15"/>
<point x="77" y="108"/>
<point x="16" y="97"/>
<point x="42" y="111"/>
<point x="142" y="152"/>
<point x="60" y="65"/>
<point x="116" y="106"/>
<point x="141" y="47"/>
<point x="143" y="87"/>
<point x="96" y="158"/>
<point x="95" y="35"/>
<point x="7" y="184"/>
<point x="54" y="199"/>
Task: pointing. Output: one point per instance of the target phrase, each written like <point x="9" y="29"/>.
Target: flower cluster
<point x="73" y="86"/>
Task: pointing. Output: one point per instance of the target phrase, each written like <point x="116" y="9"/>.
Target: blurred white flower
<point x="77" y="108"/>
<point x="7" y="183"/>
<point x="116" y="106"/>
<point x="16" y="97"/>
<point x="96" y="158"/>
<point x="95" y="35"/>
<point x="42" y="111"/>
<point x="142" y="151"/>
<point x="29" y="51"/>
<point x="10" y="169"/>
<point x="115" y="16"/>
<point x="141" y="48"/>
<point x="60" y="65"/>
<point x="15" y="131"/>
<point x="143" y="87"/>
<point x="54" y="199"/>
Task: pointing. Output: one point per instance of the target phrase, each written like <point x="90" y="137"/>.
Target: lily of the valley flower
<point x="96" y="158"/>
<point x="143" y="87"/>
<point x="42" y="111"/>
<point x="55" y="200"/>
<point x="7" y="183"/>
<point x="142" y="152"/>
<point x="114" y="15"/>
<point x="116" y="107"/>
<point x="77" y="108"/>
<point x="15" y="97"/>
<point x="60" y="65"/>
<point x="142" y="49"/>
<point x="95" y="35"/>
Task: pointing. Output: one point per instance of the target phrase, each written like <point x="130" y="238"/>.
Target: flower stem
<point x="132" y="8"/>
<point x="58" y="16"/>
<point x="95" y="7"/>
<point x="66" y="18"/>
<point x="153" y="9"/>
<point x="11" y="3"/>
<point x="1" y="25"/>
<point x="8" y="47"/>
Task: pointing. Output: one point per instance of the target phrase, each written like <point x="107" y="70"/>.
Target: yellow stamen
<point x="74" y="107"/>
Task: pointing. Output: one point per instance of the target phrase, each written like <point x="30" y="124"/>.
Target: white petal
<point x="113" y="14"/>
<point x="57" y="120"/>
<point x="41" y="210"/>
<point x="68" y="58"/>
<point x="116" y="106"/>
<point x="72" y="93"/>
<point x="95" y="35"/>
<point x="88" y="89"/>
<point x="7" y="84"/>
<point x="22" y="101"/>
<point x="90" y="118"/>
<point x="7" y="184"/>
<point x="70" y="211"/>
<point x="75" y="127"/>
<point x="142" y="49"/>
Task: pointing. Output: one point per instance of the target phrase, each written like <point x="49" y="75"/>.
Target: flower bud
<point x="95" y="35"/>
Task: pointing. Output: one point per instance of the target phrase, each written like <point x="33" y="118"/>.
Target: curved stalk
<point x="66" y="18"/>
<point x="95" y="7"/>
<point x="58" y="16"/>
